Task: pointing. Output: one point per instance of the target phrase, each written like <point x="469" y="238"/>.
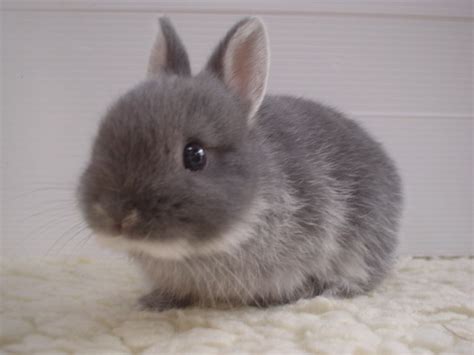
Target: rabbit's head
<point x="174" y="166"/>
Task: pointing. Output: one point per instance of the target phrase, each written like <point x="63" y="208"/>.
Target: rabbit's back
<point x="344" y="181"/>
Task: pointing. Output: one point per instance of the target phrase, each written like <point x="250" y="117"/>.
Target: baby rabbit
<point x="227" y="196"/>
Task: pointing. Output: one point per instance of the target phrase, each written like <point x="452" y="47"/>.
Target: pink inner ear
<point x="247" y="76"/>
<point x="244" y="66"/>
<point x="158" y="54"/>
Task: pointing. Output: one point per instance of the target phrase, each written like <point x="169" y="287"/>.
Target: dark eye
<point x="194" y="157"/>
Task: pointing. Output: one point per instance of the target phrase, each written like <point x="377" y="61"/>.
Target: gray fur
<point x="325" y="198"/>
<point x="175" y="57"/>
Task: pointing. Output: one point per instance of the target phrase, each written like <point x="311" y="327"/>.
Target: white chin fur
<point x="173" y="250"/>
<point x="180" y="248"/>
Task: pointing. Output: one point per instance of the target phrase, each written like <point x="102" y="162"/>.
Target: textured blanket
<point x="83" y="306"/>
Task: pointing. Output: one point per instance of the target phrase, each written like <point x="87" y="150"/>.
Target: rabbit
<point x="225" y="196"/>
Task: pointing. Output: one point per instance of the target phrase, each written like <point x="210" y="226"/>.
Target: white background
<point x="402" y="68"/>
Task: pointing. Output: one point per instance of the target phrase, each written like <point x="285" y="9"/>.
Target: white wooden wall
<point x="402" y="68"/>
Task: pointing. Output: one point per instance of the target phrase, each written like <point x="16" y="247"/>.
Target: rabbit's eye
<point x="194" y="157"/>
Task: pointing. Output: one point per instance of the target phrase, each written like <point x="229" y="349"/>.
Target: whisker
<point x="57" y="218"/>
<point x="78" y="232"/>
<point x="75" y="226"/>
<point x="42" y="213"/>
<point x="82" y="242"/>
<point x="49" y="225"/>
<point x="39" y="190"/>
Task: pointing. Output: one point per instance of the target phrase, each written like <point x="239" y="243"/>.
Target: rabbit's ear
<point x="168" y="53"/>
<point x="241" y="61"/>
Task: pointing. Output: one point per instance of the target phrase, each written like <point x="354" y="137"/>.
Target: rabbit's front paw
<point x="159" y="301"/>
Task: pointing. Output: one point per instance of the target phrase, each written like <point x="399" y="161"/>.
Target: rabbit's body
<point x="226" y="196"/>
<point x="324" y="220"/>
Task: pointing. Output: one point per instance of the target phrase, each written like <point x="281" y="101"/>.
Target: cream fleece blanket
<point x="83" y="306"/>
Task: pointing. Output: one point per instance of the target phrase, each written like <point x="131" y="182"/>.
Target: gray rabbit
<point x="226" y="196"/>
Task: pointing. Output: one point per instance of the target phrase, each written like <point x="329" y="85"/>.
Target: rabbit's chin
<point x="173" y="249"/>
<point x="176" y="249"/>
<point x="181" y="247"/>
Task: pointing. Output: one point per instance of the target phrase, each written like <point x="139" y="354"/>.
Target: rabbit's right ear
<point x="168" y="53"/>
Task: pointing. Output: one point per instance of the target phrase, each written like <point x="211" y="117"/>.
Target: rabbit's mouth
<point x="174" y="249"/>
<point x="180" y="244"/>
<point x="175" y="243"/>
<point x="171" y="249"/>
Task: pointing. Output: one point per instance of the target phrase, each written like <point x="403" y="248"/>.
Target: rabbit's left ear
<point x="241" y="61"/>
<point x="168" y="53"/>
